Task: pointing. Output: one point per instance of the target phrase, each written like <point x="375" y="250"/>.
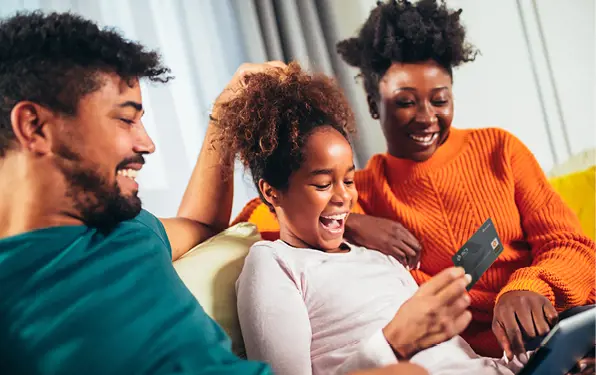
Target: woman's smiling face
<point x="415" y="108"/>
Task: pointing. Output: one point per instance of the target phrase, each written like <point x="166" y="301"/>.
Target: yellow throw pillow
<point x="578" y="190"/>
<point x="210" y="271"/>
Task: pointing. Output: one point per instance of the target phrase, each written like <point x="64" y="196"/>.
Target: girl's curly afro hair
<point x="267" y="124"/>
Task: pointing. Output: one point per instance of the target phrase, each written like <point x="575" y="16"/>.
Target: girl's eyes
<point x="326" y="186"/>
<point x="322" y="187"/>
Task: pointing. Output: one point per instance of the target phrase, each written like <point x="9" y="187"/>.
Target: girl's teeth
<point x="335" y="217"/>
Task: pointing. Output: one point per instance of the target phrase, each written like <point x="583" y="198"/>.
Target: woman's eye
<point x="349" y="182"/>
<point x="440" y="102"/>
<point x="405" y="104"/>
<point x="126" y="121"/>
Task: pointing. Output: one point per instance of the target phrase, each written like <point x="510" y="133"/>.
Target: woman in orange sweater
<point x="438" y="184"/>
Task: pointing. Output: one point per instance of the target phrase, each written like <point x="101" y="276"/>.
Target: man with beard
<point x="86" y="276"/>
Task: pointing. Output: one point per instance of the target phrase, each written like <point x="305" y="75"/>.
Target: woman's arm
<point x="561" y="274"/>
<point x="563" y="259"/>
<point x="273" y="317"/>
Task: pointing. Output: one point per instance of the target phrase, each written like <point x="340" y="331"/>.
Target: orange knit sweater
<point x="475" y="175"/>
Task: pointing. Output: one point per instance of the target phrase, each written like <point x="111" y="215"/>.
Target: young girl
<point x="311" y="303"/>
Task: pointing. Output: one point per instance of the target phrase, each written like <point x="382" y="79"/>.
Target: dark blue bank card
<point x="481" y="250"/>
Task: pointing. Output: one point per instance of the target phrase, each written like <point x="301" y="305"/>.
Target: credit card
<point x="479" y="253"/>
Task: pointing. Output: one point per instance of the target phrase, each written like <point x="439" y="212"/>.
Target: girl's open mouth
<point x="335" y="223"/>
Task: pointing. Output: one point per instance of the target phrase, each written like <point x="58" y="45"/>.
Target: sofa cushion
<point x="578" y="190"/>
<point x="210" y="271"/>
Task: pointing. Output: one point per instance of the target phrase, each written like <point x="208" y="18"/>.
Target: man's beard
<point x="100" y="204"/>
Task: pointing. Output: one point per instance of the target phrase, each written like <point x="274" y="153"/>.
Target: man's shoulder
<point x="147" y="219"/>
<point x="148" y="222"/>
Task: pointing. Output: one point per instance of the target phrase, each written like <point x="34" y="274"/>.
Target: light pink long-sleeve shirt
<point x="307" y="312"/>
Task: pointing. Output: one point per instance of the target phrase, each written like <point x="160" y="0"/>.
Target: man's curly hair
<point x="267" y="124"/>
<point x="402" y="31"/>
<point x="54" y="60"/>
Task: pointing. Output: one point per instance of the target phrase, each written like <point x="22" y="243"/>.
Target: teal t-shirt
<point x="76" y="301"/>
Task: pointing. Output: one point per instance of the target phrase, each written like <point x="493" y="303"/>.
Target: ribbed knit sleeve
<point x="563" y="258"/>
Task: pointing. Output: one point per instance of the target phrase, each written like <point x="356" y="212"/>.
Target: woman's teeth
<point x="425" y="140"/>
<point x="130" y="173"/>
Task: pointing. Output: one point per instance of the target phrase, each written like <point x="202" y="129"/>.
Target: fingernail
<point x="468" y="278"/>
<point x="506" y="357"/>
<point x="418" y="265"/>
<point x="523" y="358"/>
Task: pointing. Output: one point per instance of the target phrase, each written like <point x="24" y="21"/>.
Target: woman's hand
<point x="585" y="366"/>
<point x="521" y="315"/>
<point x="386" y="236"/>
<point x="434" y="314"/>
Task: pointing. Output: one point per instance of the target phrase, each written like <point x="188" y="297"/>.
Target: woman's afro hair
<point x="403" y="31"/>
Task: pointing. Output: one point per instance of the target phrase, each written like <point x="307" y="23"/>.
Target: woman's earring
<point x="375" y="116"/>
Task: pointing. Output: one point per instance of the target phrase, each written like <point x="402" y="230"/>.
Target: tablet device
<point x="566" y="343"/>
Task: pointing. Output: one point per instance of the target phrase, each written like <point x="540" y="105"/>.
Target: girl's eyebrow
<point x="318" y="172"/>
